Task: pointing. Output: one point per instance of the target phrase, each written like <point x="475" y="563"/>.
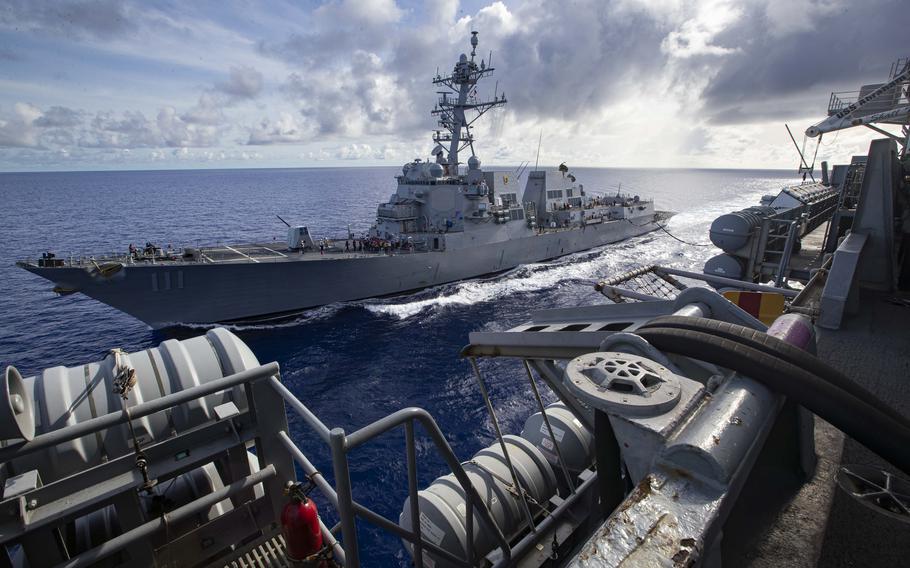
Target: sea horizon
<point x="367" y="166"/>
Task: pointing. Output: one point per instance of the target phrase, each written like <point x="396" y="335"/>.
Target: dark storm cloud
<point x="569" y="63"/>
<point x="98" y="18"/>
<point x="843" y="48"/>
<point x="774" y="61"/>
<point x="553" y="61"/>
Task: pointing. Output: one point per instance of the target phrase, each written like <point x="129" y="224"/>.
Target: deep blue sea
<point x="351" y="363"/>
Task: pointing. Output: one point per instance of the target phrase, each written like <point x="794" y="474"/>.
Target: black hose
<point x="782" y="350"/>
<point x="876" y="430"/>
<point x="609" y="464"/>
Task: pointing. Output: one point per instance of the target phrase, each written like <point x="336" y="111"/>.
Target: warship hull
<point x="171" y="294"/>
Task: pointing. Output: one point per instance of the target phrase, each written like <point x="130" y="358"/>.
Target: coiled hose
<point x="852" y="411"/>
<point x="780" y="349"/>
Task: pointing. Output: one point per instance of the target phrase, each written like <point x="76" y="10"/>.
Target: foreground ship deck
<point x="712" y="473"/>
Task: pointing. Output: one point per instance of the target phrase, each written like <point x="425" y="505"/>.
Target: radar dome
<point x="405" y="168"/>
<point x="436" y="170"/>
<point x="473" y="163"/>
<point x="463" y="58"/>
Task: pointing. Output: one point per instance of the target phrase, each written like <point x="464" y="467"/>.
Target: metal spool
<point x="725" y="265"/>
<point x="442" y="504"/>
<point x="731" y="232"/>
<point x="576" y="444"/>
<point x="623" y="383"/>
<point x="64" y="396"/>
<point x="103" y="524"/>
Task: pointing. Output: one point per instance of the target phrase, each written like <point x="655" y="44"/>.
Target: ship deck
<point x="819" y="524"/>
<point x="810" y="255"/>
<point x="217" y="254"/>
<point x="274" y="251"/>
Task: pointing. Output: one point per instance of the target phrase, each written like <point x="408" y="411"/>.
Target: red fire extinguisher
<point x="300" y="526"/>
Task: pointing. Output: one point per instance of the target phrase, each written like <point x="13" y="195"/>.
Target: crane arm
<point x="841" y="120"/>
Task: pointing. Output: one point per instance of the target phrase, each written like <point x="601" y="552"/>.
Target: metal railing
<point x="348" y="509"/>
<point x="840" y="100"/>
<point x="277" y="452"/>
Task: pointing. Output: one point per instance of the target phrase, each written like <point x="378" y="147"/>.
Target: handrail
<point x="321" y="429"/>
<point x="410" y="415"/>
<point x="112" y="419"/>
<point x="341" y="443"/>
<point x="144" y="531"/>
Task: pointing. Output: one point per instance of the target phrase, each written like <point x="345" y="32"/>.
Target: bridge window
<point x="554" y="194"/>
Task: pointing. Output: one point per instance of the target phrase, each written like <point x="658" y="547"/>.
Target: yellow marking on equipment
<point x="766" y="306"/>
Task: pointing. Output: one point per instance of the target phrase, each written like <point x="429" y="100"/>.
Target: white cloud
<point x="286" y="129"/>
<point x="608" y="81"/>
<point x="19" y="129"/>
<point x="695" y="35"/>
<point x="360" y="12"/>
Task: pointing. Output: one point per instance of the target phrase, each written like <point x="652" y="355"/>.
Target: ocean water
<point x="351" y="363"/>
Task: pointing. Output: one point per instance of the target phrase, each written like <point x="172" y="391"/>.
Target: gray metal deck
<point x="818" y="524"/>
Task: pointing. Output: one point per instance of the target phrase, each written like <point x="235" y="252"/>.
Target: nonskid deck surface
<point x="219" y="254"/>
<point x="252" y="252"/>
<point x="274" y="252"/>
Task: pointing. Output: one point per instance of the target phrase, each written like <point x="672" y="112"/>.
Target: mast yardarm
<point x="456" y="102"/>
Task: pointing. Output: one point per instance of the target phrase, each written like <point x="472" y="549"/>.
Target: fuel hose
<point x="781" y="350"/>
<point x="867" y="424"/>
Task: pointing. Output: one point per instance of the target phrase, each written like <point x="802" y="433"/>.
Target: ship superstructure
<point x="446" y="221"/>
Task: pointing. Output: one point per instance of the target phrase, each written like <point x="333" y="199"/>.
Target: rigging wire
<point x="664" y="229"/>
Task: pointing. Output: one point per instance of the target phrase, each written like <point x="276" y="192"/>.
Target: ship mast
<point x="453" y="104"/>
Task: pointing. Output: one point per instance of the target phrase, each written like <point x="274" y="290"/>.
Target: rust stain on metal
<point x="681" y="473"/>
<point x="685" y="556"/>
<point x="642" y="490"/>
<point x="659" y="544"/>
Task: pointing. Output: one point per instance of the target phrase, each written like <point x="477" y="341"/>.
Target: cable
<point x="782" y="350"/>
<point x="664" y="229"/>
<point x="867" y="425"/>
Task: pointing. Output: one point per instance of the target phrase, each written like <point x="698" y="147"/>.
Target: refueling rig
<point x="766" y="242"/>
<point x="181" y="454"/>
<point x="677" y="414"/>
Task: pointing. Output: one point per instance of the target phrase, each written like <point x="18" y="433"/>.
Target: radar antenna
<point x="452" y="110"/>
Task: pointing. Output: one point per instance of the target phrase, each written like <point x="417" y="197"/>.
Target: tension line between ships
<point x="444" y="223"/>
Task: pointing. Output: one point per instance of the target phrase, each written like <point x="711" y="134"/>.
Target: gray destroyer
<point x="445" y="222"/>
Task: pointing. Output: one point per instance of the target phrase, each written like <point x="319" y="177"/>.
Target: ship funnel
<point x="17" y="415"/>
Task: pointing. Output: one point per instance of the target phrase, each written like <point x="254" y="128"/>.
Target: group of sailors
<point x="372" y="245"/>
<point x="150" y="250"/>
<point x="595" y="202"/>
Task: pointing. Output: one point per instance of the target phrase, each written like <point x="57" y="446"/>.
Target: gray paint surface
<point x="223" y="292"/>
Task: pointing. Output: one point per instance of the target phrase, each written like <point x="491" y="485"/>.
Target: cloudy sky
<point x="108" y="84"/>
